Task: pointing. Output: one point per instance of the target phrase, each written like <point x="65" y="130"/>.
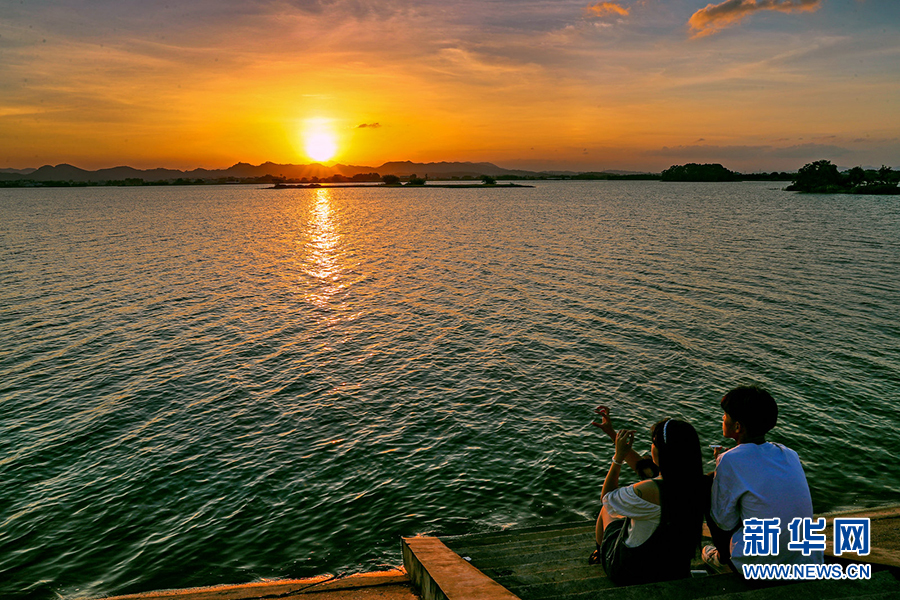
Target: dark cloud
<point x="369" y="126"/>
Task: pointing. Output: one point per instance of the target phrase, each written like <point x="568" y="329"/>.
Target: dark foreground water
<point x="208" y="385"/>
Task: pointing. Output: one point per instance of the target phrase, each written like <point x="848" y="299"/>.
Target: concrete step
<point x="438" y="573"/>
<point x="550" y="562"/>
<point x="512" y="545"/>
<point x="554" y="584"/>
<point x="541" y="574"/>
<point x="882" y="582"/>
<point x="537" y="562"/>
<point x="558" y="558"/>
<point x="730" y="587"/>
<point x="562" y="589"/>
<point x="684" y="589"/>
<point x="524" y="534"/>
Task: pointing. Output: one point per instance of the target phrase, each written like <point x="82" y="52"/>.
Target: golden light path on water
<point x="322" y="252"/>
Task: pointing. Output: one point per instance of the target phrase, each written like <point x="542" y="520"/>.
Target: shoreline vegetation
<point x="313" y="186"/>
<point x="820" y="177"/>
<point x="395" y="181"/>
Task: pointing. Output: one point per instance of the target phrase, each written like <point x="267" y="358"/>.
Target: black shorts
<point x="659" y="558"/>
<point x="611" y="535"/>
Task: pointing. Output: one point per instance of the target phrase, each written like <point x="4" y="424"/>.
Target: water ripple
<point x="220" y="384"/>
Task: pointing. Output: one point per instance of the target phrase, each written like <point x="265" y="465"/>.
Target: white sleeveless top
<point x="624" y="502"/>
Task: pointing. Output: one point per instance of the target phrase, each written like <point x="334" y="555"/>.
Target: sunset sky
<point x="558" y="84"/>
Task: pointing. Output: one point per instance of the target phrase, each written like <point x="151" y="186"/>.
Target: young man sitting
<point x="755" y="480"/>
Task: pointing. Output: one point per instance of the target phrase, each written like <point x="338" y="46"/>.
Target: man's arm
<point x="725" y="496"/>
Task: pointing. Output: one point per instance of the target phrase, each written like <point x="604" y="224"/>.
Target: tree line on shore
<point x="823" y="177"/>
<point x="820" y="176"/>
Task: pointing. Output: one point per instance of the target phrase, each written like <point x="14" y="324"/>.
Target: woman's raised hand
<point x="624" y="442"/>
<point x="605" y="421"/>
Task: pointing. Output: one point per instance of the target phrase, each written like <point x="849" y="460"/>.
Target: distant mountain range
<point x="65" y="172"/>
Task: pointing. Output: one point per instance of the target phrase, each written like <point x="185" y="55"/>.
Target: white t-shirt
<point x="624" y="502"/>
<point x="761" y="481"/>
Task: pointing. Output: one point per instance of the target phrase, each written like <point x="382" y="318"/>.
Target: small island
<point x="819" y="177"/>
<point x="714" y="173"/>
<point x="823" y="177"/>
<point x="412" y="181"/>
<point x="695" y="172"/>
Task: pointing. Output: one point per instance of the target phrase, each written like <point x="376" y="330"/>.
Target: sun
<point x="319" y="140"/>
<point x="320" y="146"/>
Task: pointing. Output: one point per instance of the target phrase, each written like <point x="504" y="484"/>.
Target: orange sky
<point x="640" y="85"/>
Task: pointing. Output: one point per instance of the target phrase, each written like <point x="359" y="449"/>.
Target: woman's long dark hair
<point x="681" y="467"/>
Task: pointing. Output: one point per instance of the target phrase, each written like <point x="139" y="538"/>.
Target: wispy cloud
<point x="607" y="9"/>
<point x="478" y="79"/>
<point x="716" y="17"/>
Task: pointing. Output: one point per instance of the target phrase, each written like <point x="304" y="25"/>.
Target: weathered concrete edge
<point x="887" y="517"/>
<point x="439" y="573"/>
<point x="277" y="587"/>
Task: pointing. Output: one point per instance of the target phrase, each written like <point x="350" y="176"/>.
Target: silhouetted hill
<point x="246" y="173"/>
<point x="119" y="173"/>
<point x="289" y="171"/>
<point x="241" y="170"/>
<point x="59" y="172"/>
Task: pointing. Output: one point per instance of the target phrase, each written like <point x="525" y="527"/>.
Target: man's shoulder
<point x="754" y="460"/>
<point x="755" y="450"/>
<point x="781" y="452"/>
<point x="757" y="455"/>
<point x="782" y="447"/>
<point x="739" y="453"/>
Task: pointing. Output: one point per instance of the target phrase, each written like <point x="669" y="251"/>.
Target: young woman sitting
<point x="650" y="531"/>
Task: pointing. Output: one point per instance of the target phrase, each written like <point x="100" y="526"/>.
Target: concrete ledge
<point x="439" y="573"/>
<point x="383" y="584"/>
<point x="243" y="591"/>
<point x="361" y="580"/>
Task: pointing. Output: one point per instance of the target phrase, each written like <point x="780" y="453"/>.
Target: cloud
<point x="716" y="17"/>
<point x="369" y="126"/>
<point x="606" y="9"/>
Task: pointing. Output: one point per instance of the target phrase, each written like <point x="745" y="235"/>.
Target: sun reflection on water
<point x="323" y="246"/>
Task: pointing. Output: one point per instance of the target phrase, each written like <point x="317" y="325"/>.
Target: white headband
<point x="665" y="441"/>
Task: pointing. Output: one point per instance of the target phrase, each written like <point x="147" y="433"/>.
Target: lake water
<point x="204" y="385"/>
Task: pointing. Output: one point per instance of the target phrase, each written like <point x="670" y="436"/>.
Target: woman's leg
<point x="603" y="521"/>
